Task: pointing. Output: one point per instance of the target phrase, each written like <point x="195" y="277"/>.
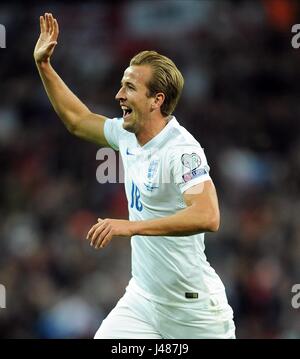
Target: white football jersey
<point x="165" y="269"/>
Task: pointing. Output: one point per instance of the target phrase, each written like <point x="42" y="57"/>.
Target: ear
<point x="158" y="100"/>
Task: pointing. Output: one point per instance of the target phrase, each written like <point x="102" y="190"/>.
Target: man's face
<point x="133" y="98"/>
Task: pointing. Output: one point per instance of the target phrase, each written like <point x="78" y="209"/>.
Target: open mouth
<point x="126" y="111"/>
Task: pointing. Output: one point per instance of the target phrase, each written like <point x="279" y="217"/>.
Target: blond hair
<point x="166" y="78"/>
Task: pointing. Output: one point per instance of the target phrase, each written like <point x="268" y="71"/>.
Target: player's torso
<point x="153" y="192"/>
<point x="149" y="187"/>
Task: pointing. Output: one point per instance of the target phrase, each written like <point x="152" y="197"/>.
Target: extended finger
<point x="103" y="235"/>
<point x="91" y="231"/>
<point x="97" y="232"/>
<point x="47" y="21"/>
<point x="106" y="239"/>
<point x="50" y="23"/>
<point x="42" y="24"/>
<point x="55" y="30"/>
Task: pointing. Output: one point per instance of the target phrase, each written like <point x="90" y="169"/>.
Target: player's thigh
<point x="125" y="322"/>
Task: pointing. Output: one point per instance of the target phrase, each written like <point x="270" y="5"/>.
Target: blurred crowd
<point x="241" y="101"/>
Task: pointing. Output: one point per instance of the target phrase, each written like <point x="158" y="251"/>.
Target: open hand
<point x="103" y="231"/>
<point x="47" y="40"/>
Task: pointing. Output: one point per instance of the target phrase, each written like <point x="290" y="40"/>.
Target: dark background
<point x="241" y="101"/>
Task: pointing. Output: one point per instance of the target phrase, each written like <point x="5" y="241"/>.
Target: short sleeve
<point x="112" y="131"/>
<point x="189" y="166"/>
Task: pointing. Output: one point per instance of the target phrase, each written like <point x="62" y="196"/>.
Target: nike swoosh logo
<point x="128" y="153"/>
<point x="150" y="187"/>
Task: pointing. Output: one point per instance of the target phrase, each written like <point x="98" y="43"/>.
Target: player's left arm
<point x="201" y="215"/>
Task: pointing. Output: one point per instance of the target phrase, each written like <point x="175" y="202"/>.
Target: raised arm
<point x="78" y="119"/>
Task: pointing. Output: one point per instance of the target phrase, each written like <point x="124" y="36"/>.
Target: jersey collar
<point x="157" y="140"/>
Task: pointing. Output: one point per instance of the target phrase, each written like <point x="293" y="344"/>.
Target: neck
<point x="151" y="129"/>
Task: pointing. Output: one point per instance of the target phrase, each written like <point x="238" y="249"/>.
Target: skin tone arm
<point x="200" y="215"/>
<point x="78" y="119"/>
